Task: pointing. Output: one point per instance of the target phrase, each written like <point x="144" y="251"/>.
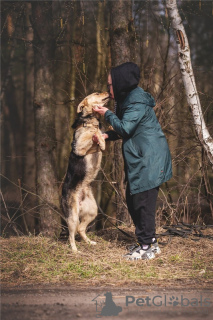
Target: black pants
<point x="141" y="207"/>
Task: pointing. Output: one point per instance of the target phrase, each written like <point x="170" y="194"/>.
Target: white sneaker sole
<point x="148" y="256"/>
<point x="156" y="250"/>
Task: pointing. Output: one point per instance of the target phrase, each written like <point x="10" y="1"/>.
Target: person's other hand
<point x="100" y="110"/>
<point x="95" y="137"/>
<point x="105" y="136"/>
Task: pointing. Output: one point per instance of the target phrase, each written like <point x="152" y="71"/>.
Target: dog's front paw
<point x="102" y="145"/>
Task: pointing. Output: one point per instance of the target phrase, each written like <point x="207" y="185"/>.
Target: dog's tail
<point x="64" y="200"/>
<point x="64" y="206"/>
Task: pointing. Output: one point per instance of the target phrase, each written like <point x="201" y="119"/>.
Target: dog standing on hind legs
<point x="78" y="203"/>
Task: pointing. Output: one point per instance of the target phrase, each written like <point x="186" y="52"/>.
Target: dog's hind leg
<point x="73" y="221"/>
<point x="88" y="212"/>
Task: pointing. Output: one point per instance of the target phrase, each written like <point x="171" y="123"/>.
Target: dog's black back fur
<point x="79" y="120"/>
<point x="76" y="170"/>
<point x="75" y="174"/>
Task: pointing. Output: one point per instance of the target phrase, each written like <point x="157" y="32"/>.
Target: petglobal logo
<point x="164" y="300"/>
<point x="109" y="305"/>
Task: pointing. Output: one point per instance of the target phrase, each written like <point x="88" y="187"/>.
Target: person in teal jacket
<point x="145" y="150"/>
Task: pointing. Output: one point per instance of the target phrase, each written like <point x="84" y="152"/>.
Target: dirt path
<point x="68" y="302"/>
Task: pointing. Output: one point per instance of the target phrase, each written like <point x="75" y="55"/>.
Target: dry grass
<point x="41" y="260"/>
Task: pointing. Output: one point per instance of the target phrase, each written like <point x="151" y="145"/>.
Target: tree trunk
<point x="28" y="164"/>
<point x="189" y="80"/>
<point x="44" y="110"/>
<point x="101" y="42"/>
<point x="64" y="79"/>
<point x="99" y="24"/>
<point x="121" y="43"/>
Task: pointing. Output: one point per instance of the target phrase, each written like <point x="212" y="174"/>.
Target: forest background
<point x="54" y="53"/>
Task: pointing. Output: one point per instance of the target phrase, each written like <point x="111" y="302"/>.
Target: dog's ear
<point x="81" y="105"/>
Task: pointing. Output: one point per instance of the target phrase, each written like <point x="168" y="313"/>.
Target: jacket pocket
<point x="132" y="153"/>
<point x="135" y="149"/>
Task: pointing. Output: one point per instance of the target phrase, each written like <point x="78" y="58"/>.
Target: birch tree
<point x="189" y="79"/>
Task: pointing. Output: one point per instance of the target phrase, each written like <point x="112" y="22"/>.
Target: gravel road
<point x="68" y="302"/>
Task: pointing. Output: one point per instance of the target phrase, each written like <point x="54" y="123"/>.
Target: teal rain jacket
<point x="145" y="149"/>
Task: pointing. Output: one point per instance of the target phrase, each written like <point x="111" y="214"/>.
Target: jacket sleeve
<point x="112" y="135"/>
<point x="132" y="115"/>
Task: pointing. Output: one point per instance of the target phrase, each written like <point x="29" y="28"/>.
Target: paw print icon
<point x="173" y="301"/>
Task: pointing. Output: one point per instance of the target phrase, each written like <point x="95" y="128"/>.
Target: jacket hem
<point x="149" y="187"/>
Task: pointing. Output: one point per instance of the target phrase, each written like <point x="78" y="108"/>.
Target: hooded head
<point x="125" y="78"/>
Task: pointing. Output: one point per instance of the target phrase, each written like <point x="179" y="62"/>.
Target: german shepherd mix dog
<point x="78" y="203"/>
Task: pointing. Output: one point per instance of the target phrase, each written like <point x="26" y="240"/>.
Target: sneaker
<point x="138" y="253"/>
<point x="155" y="248"/>
<point x="133" y="247"/>
<point x="148" y="254"/>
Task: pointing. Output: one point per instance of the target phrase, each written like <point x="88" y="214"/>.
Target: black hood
<point x="125" y="78"/>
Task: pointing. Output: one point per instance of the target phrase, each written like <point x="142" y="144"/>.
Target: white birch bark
<point x="188" y="79"/>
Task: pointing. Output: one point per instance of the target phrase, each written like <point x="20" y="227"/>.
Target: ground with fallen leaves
<point x="39" y="259"/>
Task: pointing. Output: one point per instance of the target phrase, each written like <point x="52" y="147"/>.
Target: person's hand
<point x="95" y="137"/>
<point x="100" y="110"/>
<point x="105" y="136"/>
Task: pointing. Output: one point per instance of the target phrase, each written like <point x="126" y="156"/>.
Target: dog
<point x="78" y="204"/>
